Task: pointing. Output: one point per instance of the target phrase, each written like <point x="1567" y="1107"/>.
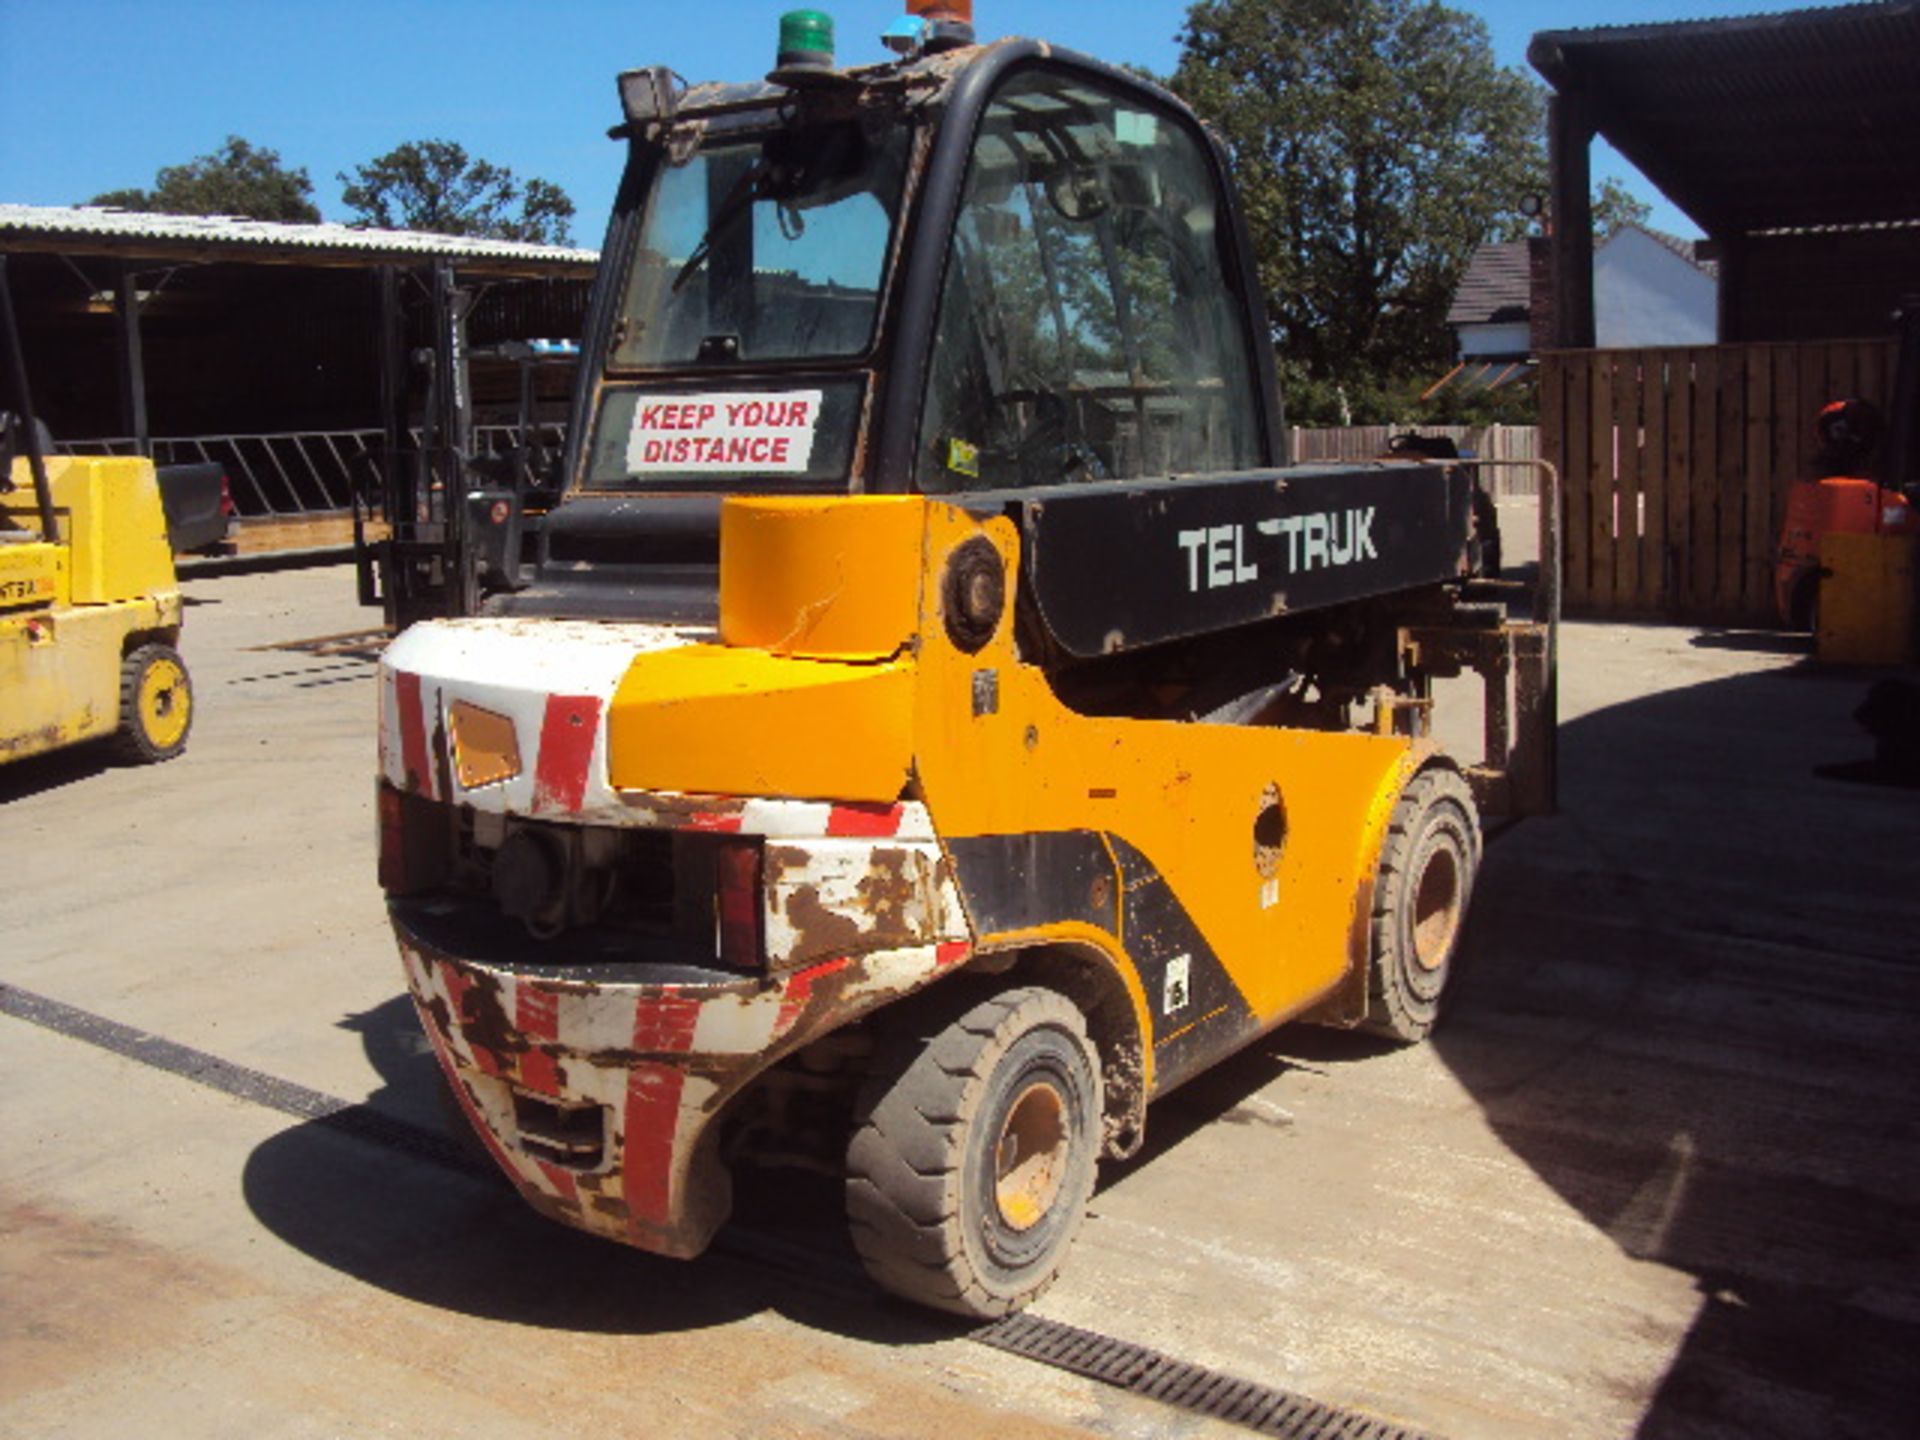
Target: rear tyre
<point x="1420" y="896"/>
<point x="156" y="705"/>
<point x="973" y="1156"/>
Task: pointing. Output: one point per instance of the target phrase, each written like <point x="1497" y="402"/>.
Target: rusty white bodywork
<point x="858" y="907"/>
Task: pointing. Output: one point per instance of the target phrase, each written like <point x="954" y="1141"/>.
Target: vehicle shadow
<point x="1690" y="1005"/>
<point x="391" y="1204"/>
<point x="1755" y="642"/>
<point x="1220" y="1095"/>
<point x="54" y="770"/>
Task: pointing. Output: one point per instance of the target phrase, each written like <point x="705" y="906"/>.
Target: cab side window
<point x="1087" y="330"/>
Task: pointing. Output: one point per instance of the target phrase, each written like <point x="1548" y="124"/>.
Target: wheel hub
<point x="1030" y="1157"/>
<point x="1436" y="908"/>
<point x="163" y="703"/>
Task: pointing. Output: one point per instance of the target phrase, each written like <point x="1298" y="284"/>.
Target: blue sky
<point x="105" y="92"/>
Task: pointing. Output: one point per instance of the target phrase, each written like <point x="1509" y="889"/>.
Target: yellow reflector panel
<point x="485" y="749"/>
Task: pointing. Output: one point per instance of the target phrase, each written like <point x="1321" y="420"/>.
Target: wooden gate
<point x="1675" y="464"/>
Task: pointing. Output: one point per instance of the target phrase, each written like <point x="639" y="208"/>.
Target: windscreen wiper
<point x="737" y="202"/>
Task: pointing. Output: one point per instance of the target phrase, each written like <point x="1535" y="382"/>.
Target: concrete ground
<point x="1656" y="1175"/>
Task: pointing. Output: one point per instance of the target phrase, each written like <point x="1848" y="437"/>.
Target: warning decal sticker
<point x="724" y="434"/>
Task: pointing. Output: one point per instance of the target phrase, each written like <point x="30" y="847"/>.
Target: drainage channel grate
<point x="1119" y="1363"/>
<point x="1148" y="1373"/>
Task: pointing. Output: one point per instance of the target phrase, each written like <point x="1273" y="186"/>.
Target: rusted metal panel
<point x="598" y="1099"/>
<point x="841" y="897"/>
<point x="597" y="1095"/>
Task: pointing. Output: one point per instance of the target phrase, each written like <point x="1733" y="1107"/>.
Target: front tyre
<point x="973" y="1156"/>
<point x="1420" y="896"/>
<point x="156" y="705"/>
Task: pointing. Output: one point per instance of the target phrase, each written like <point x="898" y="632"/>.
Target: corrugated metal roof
<point x="1661" y="30"/>
<point x="1748" y="123"/>
<point x="1497" y="286"/>
<point x="80" y="227"/>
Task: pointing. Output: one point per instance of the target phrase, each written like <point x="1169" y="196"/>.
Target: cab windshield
<point x="766" y="247"/>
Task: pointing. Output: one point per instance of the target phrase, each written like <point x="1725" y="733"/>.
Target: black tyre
<point x="1420" y="897"/>
<point x="156" y="705"/>
<point x="973" y="1155"/>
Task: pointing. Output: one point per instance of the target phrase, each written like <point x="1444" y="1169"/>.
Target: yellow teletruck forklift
<point x="940" y="721"/>
<point x="89" y="602"/>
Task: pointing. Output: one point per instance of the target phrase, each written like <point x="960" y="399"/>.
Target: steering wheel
<point x="1047" y="435"/>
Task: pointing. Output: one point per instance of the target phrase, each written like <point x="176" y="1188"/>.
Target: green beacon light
<point x="806" y="40"/>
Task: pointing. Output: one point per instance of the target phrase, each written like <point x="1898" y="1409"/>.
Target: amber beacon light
<point x="950" y="12"/>
<point x="946" y="24"/>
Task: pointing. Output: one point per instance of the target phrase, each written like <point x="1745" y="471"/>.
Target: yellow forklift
<point x="89" y="603"/>
<point x="940" y="720"/>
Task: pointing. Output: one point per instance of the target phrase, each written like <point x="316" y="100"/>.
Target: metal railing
<point x="1501" y="443"/>
<point x="298" y="472"/>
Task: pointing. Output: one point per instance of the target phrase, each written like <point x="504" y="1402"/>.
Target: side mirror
<point x="1077" y="194"/>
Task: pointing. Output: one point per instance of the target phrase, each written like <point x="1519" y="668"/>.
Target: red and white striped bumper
<point x="597" y="1099"/>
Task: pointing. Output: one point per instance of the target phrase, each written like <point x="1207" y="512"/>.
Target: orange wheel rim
<point x="1030" y="1157"/>
<point x="1436" y="908"/>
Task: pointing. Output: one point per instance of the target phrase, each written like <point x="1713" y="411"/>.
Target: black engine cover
<point x="1114" y="567"/>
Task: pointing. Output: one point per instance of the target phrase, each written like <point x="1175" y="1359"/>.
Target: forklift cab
<point x="1012" y="275"/>
<point x="1081" y="323"/>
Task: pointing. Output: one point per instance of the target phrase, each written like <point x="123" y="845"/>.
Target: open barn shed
<point x="258" y="344"/>
<point x="1793" y="141"/>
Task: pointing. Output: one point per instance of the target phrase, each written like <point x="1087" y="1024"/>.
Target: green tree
<point x="236" y="179"/>
<point x="1613" y="206"/>
<point x="434" y="185"/>
<point x="1375" y="143"/>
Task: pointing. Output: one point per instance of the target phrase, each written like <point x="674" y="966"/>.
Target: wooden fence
<point x="1675" y="465"/>
<point x="1368" y="442"/>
